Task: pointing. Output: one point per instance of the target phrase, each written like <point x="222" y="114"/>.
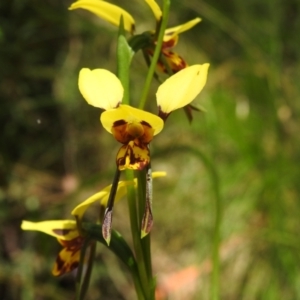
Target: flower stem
<point x="163" y="26"/>
<point x="135" y="231"/>
<point x="79" y="284"/>
<point x="87" y="277"/>
<point x="145" y="241"/>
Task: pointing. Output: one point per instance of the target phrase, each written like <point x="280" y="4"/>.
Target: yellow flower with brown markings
<point x="68" y="236"/>
<point x="135" y="128"/>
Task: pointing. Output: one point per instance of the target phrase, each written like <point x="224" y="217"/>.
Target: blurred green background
<point x="54" y="152"/>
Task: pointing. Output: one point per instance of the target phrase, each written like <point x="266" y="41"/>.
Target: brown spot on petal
<point x="134" y="156"/>
<point x="171" y="43"/>
<point x="174" y="60"/>
<point x="74" y="265"/>
<point x="59" y="265"/>
<point x="146" y="124"/>
<point x="120" y="133"/>
<point x="68" y="258"/>
<point x="119" y="122"/>
<point x="125" y="132"/>
<point x="62" y="232"/>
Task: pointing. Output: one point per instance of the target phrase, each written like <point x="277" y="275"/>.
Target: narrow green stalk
<point x="141" y="176"/>
<point x="135" y="231"/>
<point x="88" y="273"/>
<point x="124" y="55"/>
<point x="80" y="269"/>
<point x="138" y="287"/>
<point x="165" y="13"/>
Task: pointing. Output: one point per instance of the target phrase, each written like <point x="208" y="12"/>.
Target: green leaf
<point x="117" y="244"/>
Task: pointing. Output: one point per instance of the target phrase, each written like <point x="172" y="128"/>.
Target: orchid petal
<point x="100" y="88"/>
<point x="181" y="88"/>
<point x="155" y="9"/>
<point x="106" y="11"/>
<point x="80" y="209"/>
<point x="133" y="156"/>
<point x="66" y="262"/>
<point x="102" y="196"/>
<point x="130" y="114"/>
<point x="170" y="33"/>
<point x="61" y="229"/>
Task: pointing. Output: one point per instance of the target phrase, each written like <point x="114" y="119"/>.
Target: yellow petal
<point x="158" y="174"/>
<point x="173" y="60"/>
<point x="61" y="229"/>
<point x="181" y="88"/>
<point x="106" y="11"/>
<point x="100" y="88"/>
<point x="155" y="9"/>
<point x="133" y="156"/>
<point x="130" y="114"/>
<point x="102" y="196"/>
<point x="121" y="192"/>
<point x="80" y="209"/>
<point x="66" y="261"/>
<point x="172" y="32"/>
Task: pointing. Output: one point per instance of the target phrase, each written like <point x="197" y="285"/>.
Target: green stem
<point x="88" y="273"/>
<point x="146" y="241"/>
<point x="138" y="287"/>
<point x="165" y="13"/>
<point x="135" y="231"/>
<point x="80" y="269"/>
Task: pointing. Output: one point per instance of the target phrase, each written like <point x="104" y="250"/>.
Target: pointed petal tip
<point x="143" y="233"/>
<point x="107" y="240"/>
<point x="155" y="9"/>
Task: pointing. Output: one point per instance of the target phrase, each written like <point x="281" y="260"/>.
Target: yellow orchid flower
<point x="112" y="14"/>
<point x="130" y="126"/>
<point x="67" y="235"/>
<point x="170" y="62"/>
<point x="135" y="129"/>
<point x="171" y="34"/>
<point x="174" y="62"/>
<point x="106" y="11"/>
